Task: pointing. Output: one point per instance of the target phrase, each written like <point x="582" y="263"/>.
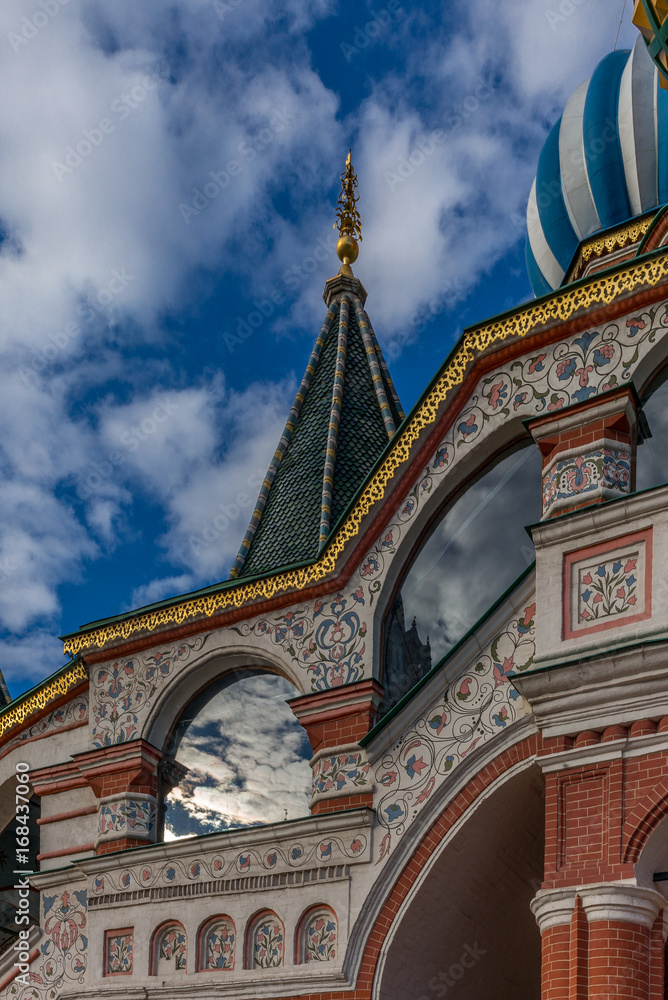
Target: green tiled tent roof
<point x="344" y="413"/>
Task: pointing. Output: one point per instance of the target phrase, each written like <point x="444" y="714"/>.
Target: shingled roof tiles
<point x="344" y="414"/>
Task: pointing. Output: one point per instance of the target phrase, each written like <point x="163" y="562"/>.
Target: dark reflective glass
<point x="247" y="757"/>
<point x="652" y="464"/>
<point x="472" y="555"/>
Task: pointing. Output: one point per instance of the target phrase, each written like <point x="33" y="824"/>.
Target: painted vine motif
<point x="268" y="941"/>
<point x="219" y="946"/>
<point x="474" y="709"/>
<point x="327" y="639"/>
<point x="63" y="950"/>
<point x="340" y="771"/>
<point x="576" y="475"/>
<point x="136" y="817"/>
<point x="570" y="372"/>
<point x="123" y="691"/>
<point x="608" y="589"/>
<point x="298" y="855"/>
<point x="320" y="938"/>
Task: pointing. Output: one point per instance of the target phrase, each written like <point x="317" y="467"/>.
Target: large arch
<point x="465" y="922"/>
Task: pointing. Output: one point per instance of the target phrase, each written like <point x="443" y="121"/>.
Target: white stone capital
<point x="623" y="902"/>
<point x="552" y="907"/>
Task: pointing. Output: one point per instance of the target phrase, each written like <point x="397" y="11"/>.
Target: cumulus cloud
<point x="248" y="761"/>
<point x="151" y="154"/>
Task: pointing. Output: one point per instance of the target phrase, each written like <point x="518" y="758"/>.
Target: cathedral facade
<point x="488" y="810"/>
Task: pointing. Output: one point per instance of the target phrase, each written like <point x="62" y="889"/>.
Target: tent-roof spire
<point x="344" y="414"/>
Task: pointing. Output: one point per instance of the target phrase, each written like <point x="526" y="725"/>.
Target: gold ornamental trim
<point x="559" y="306"/>
<point x="15" y="714"/>
<point x="632" y="233"/>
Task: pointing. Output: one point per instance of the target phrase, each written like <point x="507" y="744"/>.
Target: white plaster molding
<point x="621" y="749"/>
<point x="613" y="689"/>
<point x="624" y="902"/>
<point x="553" y="907"/>
<point x="600" y="519"/>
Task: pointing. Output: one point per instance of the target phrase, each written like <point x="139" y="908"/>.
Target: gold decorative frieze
<point x="35" y="701"/>
<point x="558" y="307"/>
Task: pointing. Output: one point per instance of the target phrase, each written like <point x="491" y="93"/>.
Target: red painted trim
<point x="65" y="852"/>
<point x="299" y="958"/>
<point x="88" y="811"/>
<point x="43" y="736"/>
<point x="342" y="803"/>
<point x="250" y="931"/>
<point x="201" y="934"/>
<point x="117" y="933"/>
<point x="11" y="976"/>
<point x="579" y="555"/>
<point x="153" y="958"/>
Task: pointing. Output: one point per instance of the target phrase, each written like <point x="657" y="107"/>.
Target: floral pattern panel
<point x="604" y="470"/>
<point x="171" y="950"/>
<point x="319" y="937"/>
<point x="120" y="816"/>
<point x="119" y="946"/>
<point x="326" y="639"/>
<point x="218" y="946"/>
<point x="478" y="706"/>
<point x="342" y="772"/>
<point x="609" y="585"/>
<point x="267" y="942"/>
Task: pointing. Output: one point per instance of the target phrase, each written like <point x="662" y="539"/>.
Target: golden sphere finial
<point x="349" y="224"/>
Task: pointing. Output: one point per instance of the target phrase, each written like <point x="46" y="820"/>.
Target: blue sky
<point x="168" y="178"/>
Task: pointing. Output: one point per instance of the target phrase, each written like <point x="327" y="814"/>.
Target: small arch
<point x="216" y="951"/>
<point x="265" y="941"/>
<point x="644" y="818"/>
<point x="169" y="951"/>
<point x="318" y="936"/>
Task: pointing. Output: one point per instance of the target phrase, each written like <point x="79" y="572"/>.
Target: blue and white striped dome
<point x="605" y="161"/>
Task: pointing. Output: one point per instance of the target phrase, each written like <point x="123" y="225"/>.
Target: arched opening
<point x="170" y="949"/>
<point x="247" y="757"/>
<point x="472" y="553"/>
<point x="265" y="941"/>
<point x="217" y="945"/>
<point x="466" y="930"/>
<point x="317" y="937"/>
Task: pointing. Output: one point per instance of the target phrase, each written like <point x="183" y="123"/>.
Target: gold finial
<point x="349" y="224"/>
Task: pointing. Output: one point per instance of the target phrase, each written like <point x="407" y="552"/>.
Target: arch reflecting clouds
<point x="247" y="758"/>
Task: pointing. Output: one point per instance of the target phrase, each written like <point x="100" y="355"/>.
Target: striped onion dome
<point x="605" y="161"/>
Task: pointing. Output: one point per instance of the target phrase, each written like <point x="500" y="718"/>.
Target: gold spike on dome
<point x="349" y="224"/>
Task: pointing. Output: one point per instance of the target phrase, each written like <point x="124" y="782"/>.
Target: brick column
<point x="336" y="721"/>
<point x="589" y="451"/>
<point x="553" y="910"/>
<point x="621" y="918"/>
<point x="124" y="779"/>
